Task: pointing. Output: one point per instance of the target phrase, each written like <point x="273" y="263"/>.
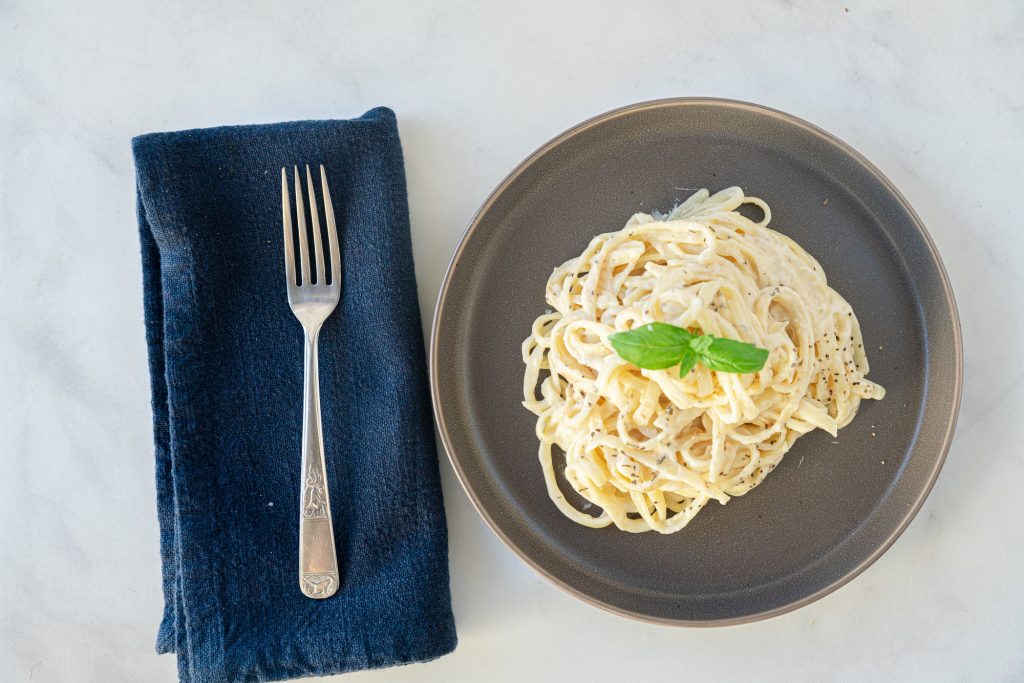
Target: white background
<point x="931" y="92"/>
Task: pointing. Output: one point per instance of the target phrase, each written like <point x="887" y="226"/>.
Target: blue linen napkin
<point x="225" y="357"/>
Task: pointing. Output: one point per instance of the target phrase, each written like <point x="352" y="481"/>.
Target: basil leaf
<point x="700" y="344"/>
<point x="688" y="361"/>
<point x="654" y="346"/>
<point x="729" y="355"/>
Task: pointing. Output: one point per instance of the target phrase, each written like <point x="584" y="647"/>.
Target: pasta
<point x="651" y="448"/>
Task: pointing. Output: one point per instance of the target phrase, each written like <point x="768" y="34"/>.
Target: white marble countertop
<point x="925" y="90"/>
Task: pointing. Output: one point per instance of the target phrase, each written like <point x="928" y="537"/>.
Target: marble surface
<point x="925" y="90"/>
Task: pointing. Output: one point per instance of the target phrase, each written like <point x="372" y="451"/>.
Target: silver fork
<point x="312" y="301"/>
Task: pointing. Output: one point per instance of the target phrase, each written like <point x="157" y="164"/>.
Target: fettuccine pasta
<point x="650" y="448"/>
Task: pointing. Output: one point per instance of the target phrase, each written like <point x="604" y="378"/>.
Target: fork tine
<point x="300" y="216"/>
<point x="332" y="229"/>
<point x="286" y="216"/>
<point x="318" y="246"/>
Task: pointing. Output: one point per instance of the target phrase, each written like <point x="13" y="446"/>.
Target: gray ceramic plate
<point x="830" y="509"/>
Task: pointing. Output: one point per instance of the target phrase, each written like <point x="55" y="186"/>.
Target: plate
<point x="833" y="506"/>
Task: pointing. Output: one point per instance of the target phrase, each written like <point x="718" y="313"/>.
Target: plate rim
<point x="533" y="157"/>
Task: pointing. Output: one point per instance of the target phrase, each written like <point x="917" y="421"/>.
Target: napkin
<point x="225" y="356"/>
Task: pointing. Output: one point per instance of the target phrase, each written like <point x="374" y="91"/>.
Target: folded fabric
<point x="225" y="358"/>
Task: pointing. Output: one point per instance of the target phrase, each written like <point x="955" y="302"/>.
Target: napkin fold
<point x="225" y="357"/>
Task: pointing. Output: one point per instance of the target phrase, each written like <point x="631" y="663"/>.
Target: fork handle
<point x="318" y="562"/>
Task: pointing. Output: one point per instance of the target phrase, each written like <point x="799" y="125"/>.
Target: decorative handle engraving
<point x="319" y="585"/>
<point x="314" y="495"/>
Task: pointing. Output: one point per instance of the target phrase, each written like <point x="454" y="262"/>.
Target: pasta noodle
<point x="651" y="448"/>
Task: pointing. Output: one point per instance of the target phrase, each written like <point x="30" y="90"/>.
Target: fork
<point x="312" y="301"/>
